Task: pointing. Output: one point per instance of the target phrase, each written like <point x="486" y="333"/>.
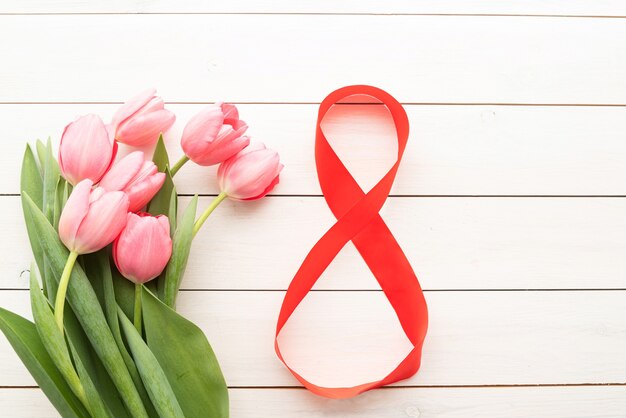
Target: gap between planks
<point x="421" y="196"/>
<point x="240" y="102"/>
<point x="522" y="385"/>
<point x="550" y="16"/>
<point x="591" y="289"/>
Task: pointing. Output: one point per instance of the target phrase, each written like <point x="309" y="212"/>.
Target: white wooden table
<point x="510" y="202"/>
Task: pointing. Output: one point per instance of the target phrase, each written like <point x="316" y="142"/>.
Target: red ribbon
<point x="359" y="221"/>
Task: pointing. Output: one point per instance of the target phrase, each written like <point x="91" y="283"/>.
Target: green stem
<point x="178" y="165"/>
<point x="137" y="316"/>
<point x="196" y="227"/>
<point x="59" y="303"/>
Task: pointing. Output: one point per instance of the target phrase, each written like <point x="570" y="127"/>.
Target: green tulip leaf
<point x="124" y="293"/>
<point x="91" y="367"/>
<point x="53" y="339"/>
<point x="160" y="157"/>
<point x="51" y="174"/>
<point x="92" y="372"/>
<point x="172" y="212"/>
<point x="153" y="376"/>
<point x="165" y="202"/>
<point x="181" y="245"/>
<point x="96" y="405"/>
<point x="62" y="193"/>
<point x="31" y="180"/>
<point x="36" y="180"/>
<point x="31" y="183"/>
<point x="161" y="203"/>
<point x="24" y="338"/>
<point x="99" y="272"/>
<point x="40" y="147"/>
<point x="187" y="359"/>
<point x="85" y="305"/>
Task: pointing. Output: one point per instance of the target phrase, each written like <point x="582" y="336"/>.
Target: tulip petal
<point x="256" y="146"/>
<point x="74" y="212"/>
<point x="200" y="131"/>
<point x="143" y="248"/>
<point x="142" y="192"/>
<point x="165" y="223"/>
<point x="144" y="129"/>
<point x="256" y="172"/>
<point x="86" y="150"/>
<point x="214" y="135"/>
<point x="267" y="189"/>
<point x="133" y="105"/>
<point x="154" y="104"/>
<point x="250" y="174"/>
<point x="229" y="133"/>
<point x="122" y="172"/>
<point x="148" y="168"/>
<point x="130" y="219"/>
<point x="222" y="149"/>
<point x="231" y="114"/>
<point x="104" y="221"/>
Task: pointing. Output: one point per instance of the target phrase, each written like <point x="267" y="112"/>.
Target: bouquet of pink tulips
<point x="111" y="249"/>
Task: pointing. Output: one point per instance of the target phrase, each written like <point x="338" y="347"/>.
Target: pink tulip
<point x="144" y="247"/>
<point x="91" y="219"/>
<point x="86" y="151"/>
<point x="251" y="174"/>
<point x="141" y="119"/>
<point x="139" y="179"/>
<point x="214" y="135"/>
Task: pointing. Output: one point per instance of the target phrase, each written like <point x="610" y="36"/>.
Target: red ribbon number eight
<point x="358" y="220"/>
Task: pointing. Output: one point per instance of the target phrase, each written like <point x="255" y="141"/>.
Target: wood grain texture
<point x="452" y="150"/>
<point x="519" y="402"/>
<point x="475" y="338"/>
<point x="479" y="60"/>
<point x="452" y="243"/>
<point x="518" y="7"/>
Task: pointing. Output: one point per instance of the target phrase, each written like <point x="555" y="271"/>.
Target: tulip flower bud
<point x="214" y="135"/>
<point x="251" y="174"/>
<point x="86" y="151"/>
<point x="141" y="119"/>
<point x="144" y="247"/>
<point x="139" y="179"/>
<point x="91" y="219"/>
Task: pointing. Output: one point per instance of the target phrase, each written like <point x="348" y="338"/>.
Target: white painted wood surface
<point x="513" y="402"/>
<point x="453" y="150"/>
<point x="512" y="180"/>
<point x="455" y="7"/>
<point x="282" y="58"/>
<point x="452" y="243"/>
<point x="475" y="338"/>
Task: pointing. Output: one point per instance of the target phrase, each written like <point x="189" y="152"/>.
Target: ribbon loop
<point x="359" y="221"/>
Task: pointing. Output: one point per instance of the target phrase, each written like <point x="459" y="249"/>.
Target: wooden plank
<point x="453" y="150"/>
<point x="285" y="58"/>
<point x="513" y="402"/>
<point x="452" y="243"/>
<point x="555" y="402"/>
<point x="517" y="7"/>
<point x="476" y="338"/>
<point x="26" y="403"/>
